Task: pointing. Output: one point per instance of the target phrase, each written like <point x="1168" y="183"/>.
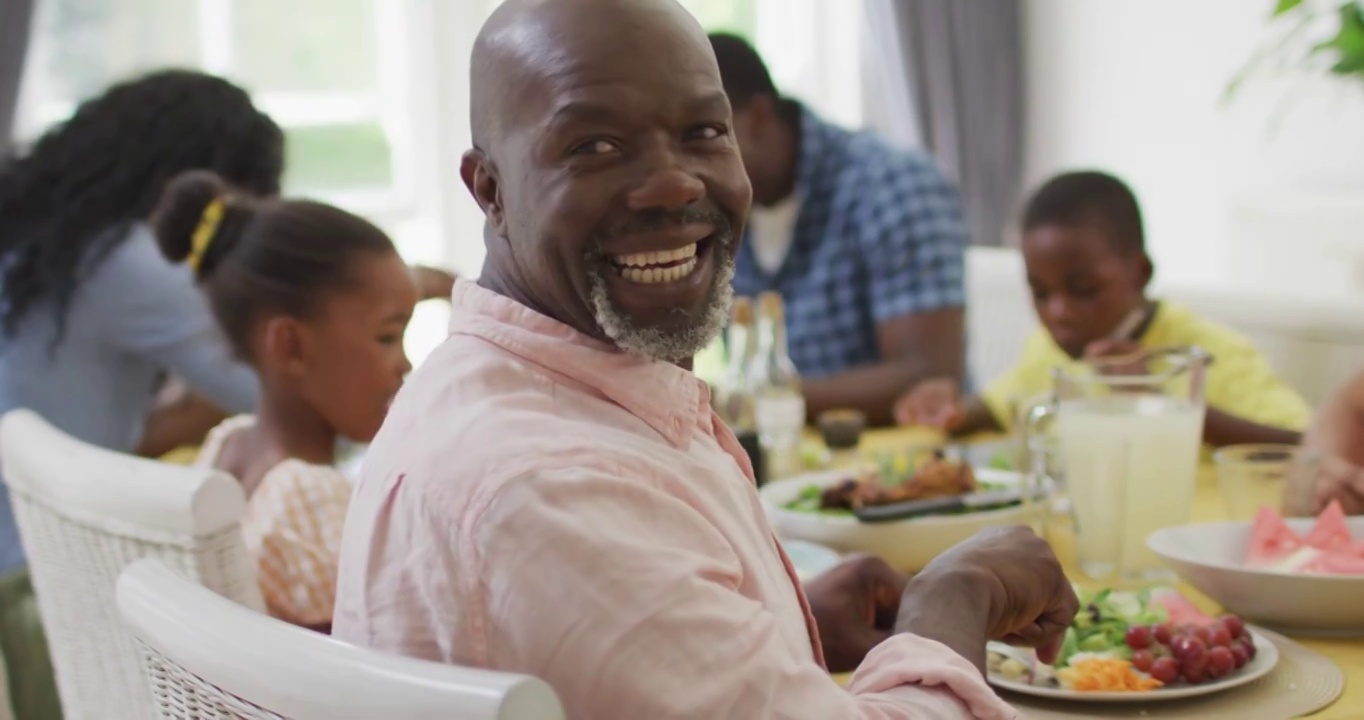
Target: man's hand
<point x="1341" y="480"/>
<point x="1002" y="584"/>
<point x="854" y="604"/>
<point x="932" y="403"/>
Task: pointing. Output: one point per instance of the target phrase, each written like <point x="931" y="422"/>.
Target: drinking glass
<point x="1253" y="476"/>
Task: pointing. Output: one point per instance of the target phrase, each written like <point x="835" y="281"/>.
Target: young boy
<point x="1087" y="266"/>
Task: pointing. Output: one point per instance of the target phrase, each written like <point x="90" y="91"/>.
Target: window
<point x="343" y="78"/>
<point x="373" y="94"/>
<point x="331" y="72"/>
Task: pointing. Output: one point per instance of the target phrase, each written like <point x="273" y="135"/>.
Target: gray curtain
<point x="963" y="62"/>
<point x="16" y="22"/>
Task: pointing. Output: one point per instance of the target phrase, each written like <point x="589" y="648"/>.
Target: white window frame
<point x="391" y="103"/>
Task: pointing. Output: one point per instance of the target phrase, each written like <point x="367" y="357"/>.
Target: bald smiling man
<point x="551" y="493"/>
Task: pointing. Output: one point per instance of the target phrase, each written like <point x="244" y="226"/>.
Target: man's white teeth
<point x="652" y="276"/>
<point x="656" y="258"/>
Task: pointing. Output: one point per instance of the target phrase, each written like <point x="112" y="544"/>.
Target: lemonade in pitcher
<point x="1136" y="458"/>
<point x="1128" y="438"/>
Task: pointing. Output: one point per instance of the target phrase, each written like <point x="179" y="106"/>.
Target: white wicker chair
<point x="84" y="514"/>
<point x="210" y="658"/>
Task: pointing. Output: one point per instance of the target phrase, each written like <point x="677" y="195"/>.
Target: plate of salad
<point x="1142" y="646"/>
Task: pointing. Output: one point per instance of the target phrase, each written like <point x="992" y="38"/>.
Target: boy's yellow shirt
<point x="1240" y="380"/>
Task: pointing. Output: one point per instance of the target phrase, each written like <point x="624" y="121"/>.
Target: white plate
<point x="1266" y="657"/>
<point x="907" y="544"/>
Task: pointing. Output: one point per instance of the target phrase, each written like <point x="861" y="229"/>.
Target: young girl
<point x="316" y="300"/>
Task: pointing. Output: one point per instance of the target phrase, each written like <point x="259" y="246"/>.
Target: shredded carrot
<point x="1105" y="675"/>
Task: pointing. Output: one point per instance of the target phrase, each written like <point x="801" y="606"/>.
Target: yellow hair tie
<point x="203" y="234"/>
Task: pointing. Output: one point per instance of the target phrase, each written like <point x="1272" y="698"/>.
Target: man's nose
<point x="667" y="187"/>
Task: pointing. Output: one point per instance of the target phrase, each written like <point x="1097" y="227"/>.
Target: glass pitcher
<point x="1128" y="432"/>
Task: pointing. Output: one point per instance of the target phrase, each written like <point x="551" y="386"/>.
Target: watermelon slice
<point x="1330" y="534"/>
<point x="1327" y="550"/>
<point x="1178" y="607"/>
<point x="1271" y="540"/>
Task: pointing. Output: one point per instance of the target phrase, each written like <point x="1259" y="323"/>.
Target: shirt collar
<point x="669" y="399"/>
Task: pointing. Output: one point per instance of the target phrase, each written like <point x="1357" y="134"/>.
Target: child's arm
<point x="938" y="404"/>
<point x="1337" y="434"/>
<point x="1222" y="428"/>
<point x="976" y="418"/>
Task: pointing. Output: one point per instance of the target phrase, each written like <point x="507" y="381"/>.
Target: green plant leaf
<point x="1284" y="6"/>
<point x="1348" y="42"/>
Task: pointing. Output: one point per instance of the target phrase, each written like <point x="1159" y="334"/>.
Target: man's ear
<point x="480" y="176"/>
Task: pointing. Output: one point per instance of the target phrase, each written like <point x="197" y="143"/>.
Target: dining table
<point x="1346" y="653"/>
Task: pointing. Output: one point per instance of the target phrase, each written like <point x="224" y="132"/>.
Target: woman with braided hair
<point x="92" y="316"/>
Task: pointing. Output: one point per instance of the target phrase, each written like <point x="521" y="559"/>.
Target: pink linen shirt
<point x="541" y="503"/>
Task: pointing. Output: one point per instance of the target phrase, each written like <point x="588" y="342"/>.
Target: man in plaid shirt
<point x="864" y="242"/>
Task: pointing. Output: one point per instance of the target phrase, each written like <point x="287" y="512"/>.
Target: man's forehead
<point x="547" y="57"/>
<point x="595" y="92"/>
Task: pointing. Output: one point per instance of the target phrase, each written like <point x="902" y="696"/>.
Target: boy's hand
<point x="933" y="403"/>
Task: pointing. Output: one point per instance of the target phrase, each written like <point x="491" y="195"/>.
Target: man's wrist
<point x="951" y="607"/>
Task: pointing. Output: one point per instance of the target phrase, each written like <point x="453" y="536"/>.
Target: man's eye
<point x="709" y="132"/>
<point x="595" y="147"/>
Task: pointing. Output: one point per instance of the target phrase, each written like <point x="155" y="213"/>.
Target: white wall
<point x="1238" y="193"/>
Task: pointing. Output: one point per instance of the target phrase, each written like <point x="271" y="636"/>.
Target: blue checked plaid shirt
<point x="879" y="235"/>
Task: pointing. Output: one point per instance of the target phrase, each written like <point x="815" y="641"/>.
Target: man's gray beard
<point x="674" y="343"/>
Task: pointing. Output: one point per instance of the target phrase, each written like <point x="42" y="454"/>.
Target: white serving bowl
<point x="908" y="545"/>
<point x="1210" y="557"/>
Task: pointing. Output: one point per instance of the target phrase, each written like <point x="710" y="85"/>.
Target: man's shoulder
<point x="475" y="413"/>
<point x="867" y="157"/>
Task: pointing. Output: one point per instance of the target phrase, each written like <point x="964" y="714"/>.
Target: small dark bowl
<point x="842" y="429"/>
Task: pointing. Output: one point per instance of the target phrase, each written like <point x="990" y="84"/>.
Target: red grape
<point x="1139" y="637"/>
<point x="1143" y="660"/>
<point x="1189" y="649"/>
<point x="1249" y="645"/>
<point x="1164" y="633"/>
<point x="1194" y="661"/>
<point x="1165" y="670"/>
<point x="1235" y="625"/>
<point x="1240" y="654"/>
<point x="1195" y="674"/>
<point x="1220" y="662"/>
<point x="1202" y="633"/>
<point x="1219" y="635"/>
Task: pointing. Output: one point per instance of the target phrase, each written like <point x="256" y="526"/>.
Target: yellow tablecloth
<point x="1348" y="654"/>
